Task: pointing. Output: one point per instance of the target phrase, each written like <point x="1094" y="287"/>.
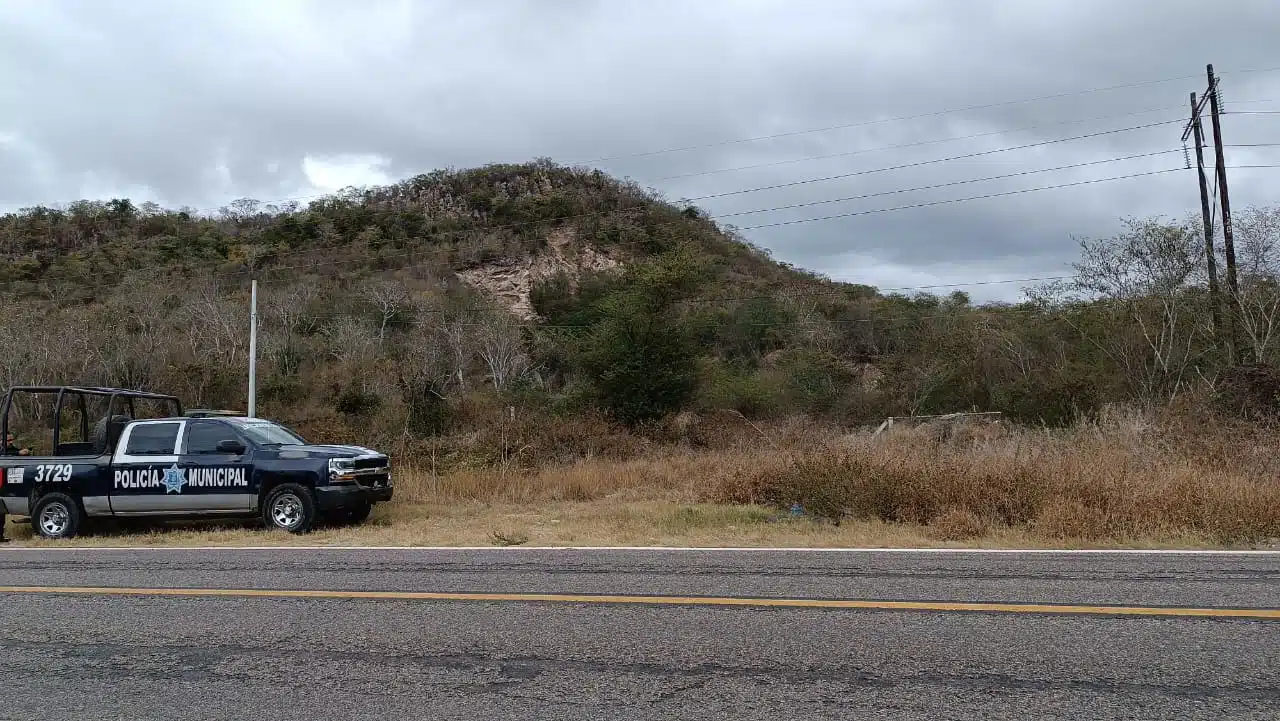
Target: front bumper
<point x="350" y="495"/>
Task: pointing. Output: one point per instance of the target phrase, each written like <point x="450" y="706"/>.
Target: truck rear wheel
<point x="290" y="507"/>
<point x="57" y="515"/>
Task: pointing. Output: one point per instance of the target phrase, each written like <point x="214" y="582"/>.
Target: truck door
<point x="216" y="463"/>
<point x="145" y="475"/>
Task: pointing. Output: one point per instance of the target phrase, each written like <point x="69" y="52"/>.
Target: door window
<point x="202" y="439"/>
<point x="153" y="439"/>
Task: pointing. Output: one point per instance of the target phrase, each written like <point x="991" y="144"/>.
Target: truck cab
<point x="196" y="465"/>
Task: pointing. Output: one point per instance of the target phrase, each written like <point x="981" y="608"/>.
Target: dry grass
<point x="1124" y="482"/>
<point x="590" y="523"/>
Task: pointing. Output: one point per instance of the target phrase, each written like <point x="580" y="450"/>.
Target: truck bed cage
<point x="212" y="413"/>
<point x="80" y="392"/>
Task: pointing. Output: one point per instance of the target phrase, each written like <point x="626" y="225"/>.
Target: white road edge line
<point x="672" y="549"/>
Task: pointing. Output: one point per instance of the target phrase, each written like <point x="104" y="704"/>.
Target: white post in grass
<point x="253" y="350"/>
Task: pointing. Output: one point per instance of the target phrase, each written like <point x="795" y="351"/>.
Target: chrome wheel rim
<point x="55" y="518"/>
<point x="287" y="511"/>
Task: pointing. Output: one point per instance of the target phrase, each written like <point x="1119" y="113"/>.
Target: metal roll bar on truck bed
<point x="81" y="393"/>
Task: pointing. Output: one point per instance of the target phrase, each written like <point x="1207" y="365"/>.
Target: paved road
<point x="210" y="657"/>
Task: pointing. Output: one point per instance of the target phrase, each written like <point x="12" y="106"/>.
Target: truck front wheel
<point x="57" y="515"/>
<point x="290" y="507"/>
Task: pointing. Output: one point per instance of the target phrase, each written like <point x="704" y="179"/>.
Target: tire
<point x="290" y="507"/>
<point x="352" y="516"/>
<point x="57" y="515"/>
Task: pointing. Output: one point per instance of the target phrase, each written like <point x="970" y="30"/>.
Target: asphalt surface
<point x="151" y="657"/>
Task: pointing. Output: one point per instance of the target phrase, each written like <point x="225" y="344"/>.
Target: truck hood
<point x="317" y="451"/>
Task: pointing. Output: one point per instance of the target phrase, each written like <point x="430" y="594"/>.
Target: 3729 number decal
<point x="53" y="474"/>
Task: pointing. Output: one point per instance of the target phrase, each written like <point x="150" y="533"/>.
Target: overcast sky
<point x="198" y="103"/>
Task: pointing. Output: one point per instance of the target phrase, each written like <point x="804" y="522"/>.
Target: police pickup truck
<point x="192" y="465"/>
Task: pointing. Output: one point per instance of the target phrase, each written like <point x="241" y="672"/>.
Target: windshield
<point x="271" y="434"/>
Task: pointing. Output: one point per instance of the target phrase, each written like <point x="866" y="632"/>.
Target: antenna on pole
<point x="253" y="350"/>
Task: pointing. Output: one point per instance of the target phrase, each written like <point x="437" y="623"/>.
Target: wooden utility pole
<point x="1206" y="214"/>
<point x="1228" y="237"/>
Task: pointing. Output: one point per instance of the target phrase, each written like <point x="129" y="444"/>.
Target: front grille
<point x="370" y="462"/>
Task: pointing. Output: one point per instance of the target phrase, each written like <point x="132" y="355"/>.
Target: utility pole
<point x="1228" y="237"/>
<point x="1211" y="260"/>
<point x="253" y="350"/>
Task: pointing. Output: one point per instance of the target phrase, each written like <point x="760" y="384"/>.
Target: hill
<point x="377" y="302"/>
<point x="448" y="303"/>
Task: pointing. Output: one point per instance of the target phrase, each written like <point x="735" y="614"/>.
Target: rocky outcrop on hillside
<point x="509" y="281"/>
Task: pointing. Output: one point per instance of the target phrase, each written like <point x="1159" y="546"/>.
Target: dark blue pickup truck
<point x="181" y="465"/>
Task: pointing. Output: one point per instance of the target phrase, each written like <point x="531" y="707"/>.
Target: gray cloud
<point x="197" y="104"/>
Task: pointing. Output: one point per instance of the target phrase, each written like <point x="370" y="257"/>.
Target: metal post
<point x="253" y="351"/>
<point x="1211" y="259"/>
<point x="1228" y="237"/>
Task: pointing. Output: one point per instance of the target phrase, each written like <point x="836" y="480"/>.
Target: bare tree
<point x="923" y="381"/>
<point x="501" y="347"/>
<point x="17" y="359"/>
<point x="390" y="298"/>
<point x="1010" y="343"/>
<point x="289" y="308"/>
<point x="351" y="341"/>
<point x="252" y="254"/>
<point x="240" y="209"/>
<point x="134" y="338"/>
<point x="1258" y="308"/>
<point x="1257" y="232"/>
<point x="1143" y="278"/>
<point x="214" y="325"/>
<point x="1148" y="258"/>
<point x="1257" y="237"/>
<point x="459" y="337"/>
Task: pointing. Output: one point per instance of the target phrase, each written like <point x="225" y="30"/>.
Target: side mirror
<point x="233" y="447"/>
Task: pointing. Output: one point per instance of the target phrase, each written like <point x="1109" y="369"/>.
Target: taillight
<point x="3" y="471"/>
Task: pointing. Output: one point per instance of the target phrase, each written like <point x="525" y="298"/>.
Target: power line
<point x="982" y="197"/>
<point x="915" y="144"/>
<point x="958" y="200"/>
<point x="934" y="161"/>
<point x="950" y="184"/>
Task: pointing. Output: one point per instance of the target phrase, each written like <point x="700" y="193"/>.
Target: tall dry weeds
<point x="1116" y="479"/>
<point x="1123" y="477"/>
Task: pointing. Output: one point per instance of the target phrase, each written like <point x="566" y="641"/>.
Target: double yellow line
<point x="941" y="606"/>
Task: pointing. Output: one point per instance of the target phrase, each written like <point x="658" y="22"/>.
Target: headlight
<point x="340" y="469"/>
